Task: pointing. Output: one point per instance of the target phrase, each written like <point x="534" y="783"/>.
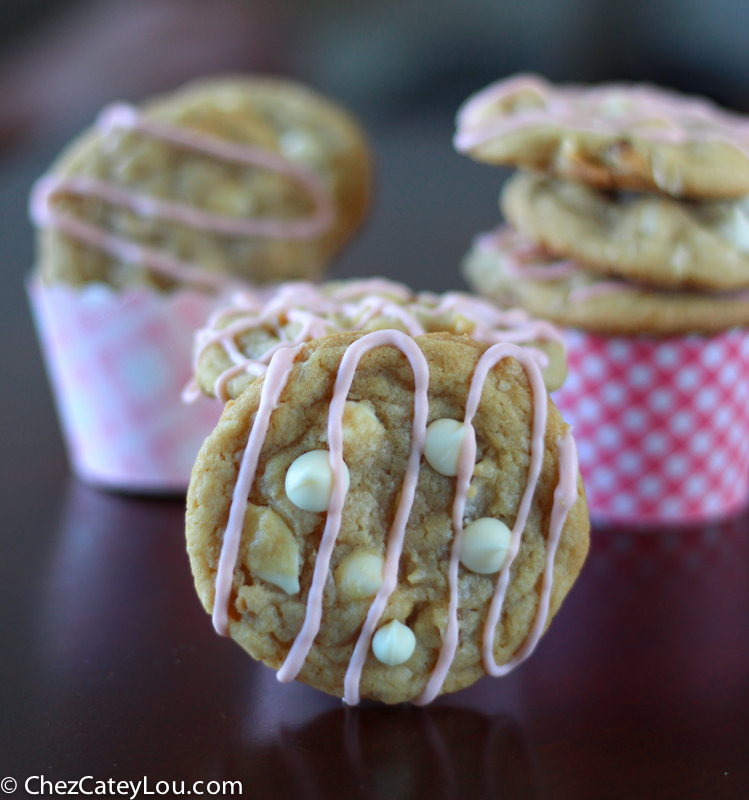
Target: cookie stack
<point x="629" y="225"/>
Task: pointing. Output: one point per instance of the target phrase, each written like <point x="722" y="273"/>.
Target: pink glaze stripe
<point x="517" y="254"/>
<point x="274" y="383"/>
<point x="143" y="205"/>
<point x="466" y="462"/>
<point x="474" y="109"/>
<point x="565" y="496"/>
<point x="495" y="607"/>
<point x="355" y="289"/>
<point x="600" y="289"/>
<point x="347" y="369"/>
<point x="398" y="529"/>
<point x="123" y="250"/>
<point x="122" y="115"/>
<point x="149" y="207"/>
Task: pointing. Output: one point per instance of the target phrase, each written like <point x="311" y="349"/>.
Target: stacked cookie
<point x="629" y="219"/>
<point x="240" y="338"/>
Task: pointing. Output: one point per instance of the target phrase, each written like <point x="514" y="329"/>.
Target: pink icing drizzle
<point x="122" y="116"/>
<point x="564" y="497"/>
<point x="345" y="377"/>
<point x="275" y="381"/>
<point x="515" y="252"/>
<point x="680" y="119"/>
<point x="44" y="215"/>
<point x="466" y="462"/>
<point x="398" y="528"/>
<point x="519" y="255"/>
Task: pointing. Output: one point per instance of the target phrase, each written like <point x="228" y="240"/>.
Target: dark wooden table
<point x="111" y="669"/>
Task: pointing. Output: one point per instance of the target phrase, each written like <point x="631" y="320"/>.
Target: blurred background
<point x="403" y="66"/>
<point x="397" y="63"/>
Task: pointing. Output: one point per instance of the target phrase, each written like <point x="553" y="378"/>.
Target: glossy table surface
<point x="111" y="669"/>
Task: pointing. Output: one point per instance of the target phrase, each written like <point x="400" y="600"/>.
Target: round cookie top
<point x="506" y="267"/>
<point x="256" y="178"/>
<point x="422" y="573"/>
<point x="240" y="338"/>
<point x="643" y="237"/>
<point x="613" y="136"/>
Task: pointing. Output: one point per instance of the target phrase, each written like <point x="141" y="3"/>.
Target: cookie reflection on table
<point x="114" y="559"/>
<point x="680" y="597"/>
<point x="705" y="552"/>
<point x="399" y="751"/>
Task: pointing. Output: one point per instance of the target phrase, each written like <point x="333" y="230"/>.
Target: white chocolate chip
<point x="358" y="417"/>
<point x="442" y="446"/>
<point x="393" y="643"/>
<point x="462" y="324"/>
<point x="359" y="575"/>
<point x="299" y="145"/>
<point x="485" y="544"/>
<point x="309" y="481"/>
<point x="486" y="468"/>
<point x="273" y="552"/>
<point x="385" y="323"/>
<point x="666" y="175"/>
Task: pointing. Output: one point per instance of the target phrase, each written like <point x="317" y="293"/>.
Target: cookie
<point x="239" y="340"/>
<point x="507" y="268"/>
<point x="646" y="238"/>
<point x="258" y="178"/>
<point x="325" y="517"/>
<point x="613" y="136"/>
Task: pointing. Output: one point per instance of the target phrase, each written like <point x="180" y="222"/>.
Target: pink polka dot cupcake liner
<point x="662" y="426"/>
<point x="117" y="362"/>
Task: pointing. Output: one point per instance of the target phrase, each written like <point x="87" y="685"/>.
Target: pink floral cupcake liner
<point x="662" y="426"/>
<point x="117" y="362"/>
